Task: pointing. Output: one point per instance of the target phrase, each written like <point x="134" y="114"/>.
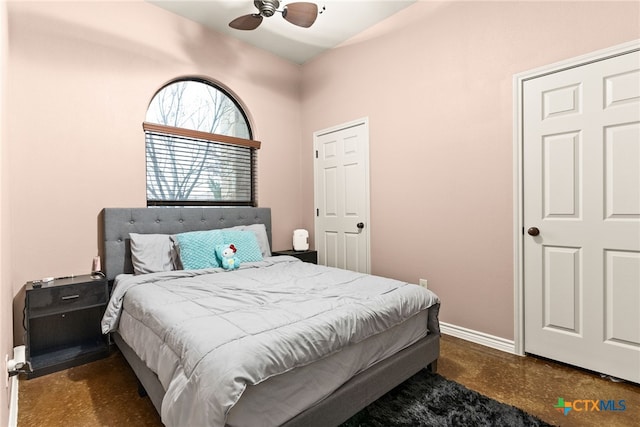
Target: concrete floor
<point x="104" y="393"/>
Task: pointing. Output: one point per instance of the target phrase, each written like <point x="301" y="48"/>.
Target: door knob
<point x="360" y="225"/>
<point x="533" y="231"/>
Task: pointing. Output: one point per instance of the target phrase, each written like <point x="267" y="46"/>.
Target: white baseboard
<point x="13" y="402"/>
<point x="481" y="338"/>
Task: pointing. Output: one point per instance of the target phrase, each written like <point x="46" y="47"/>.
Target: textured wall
<point x="435" y="81"/>
<point x="81" y="77"/>
<point x="6" y="291"/>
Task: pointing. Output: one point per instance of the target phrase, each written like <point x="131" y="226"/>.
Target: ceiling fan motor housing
<point x="267" y="7"/>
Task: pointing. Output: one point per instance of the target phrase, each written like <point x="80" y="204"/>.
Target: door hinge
<point x="317" y="212"/>
<point x="316" y="154"/>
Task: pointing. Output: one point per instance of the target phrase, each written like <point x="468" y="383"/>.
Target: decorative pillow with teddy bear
<point x="246" y="244"/>
<point x="199" y="249"/>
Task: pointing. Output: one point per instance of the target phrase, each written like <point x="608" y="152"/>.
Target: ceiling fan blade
<point x="302" y="14"/>
<point x="246" y="22"/>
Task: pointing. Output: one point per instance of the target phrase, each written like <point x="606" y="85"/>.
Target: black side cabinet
<point x="306" y="256"/>
<point x="62" y="320"/>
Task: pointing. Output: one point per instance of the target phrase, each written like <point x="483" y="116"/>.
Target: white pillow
<point x="260" y="230"/>
<point x="152" y="253"/>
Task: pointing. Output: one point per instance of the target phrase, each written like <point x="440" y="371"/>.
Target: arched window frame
<point x="237" y="156"/>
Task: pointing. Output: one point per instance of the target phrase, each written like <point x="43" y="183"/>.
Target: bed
<point x="313" y="385"/>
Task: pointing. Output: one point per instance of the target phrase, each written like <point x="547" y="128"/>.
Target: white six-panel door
<point x="342" y="196"/>
<point x="581" y="186"/>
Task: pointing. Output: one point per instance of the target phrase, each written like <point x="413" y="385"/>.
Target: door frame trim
<point x="518" y="162"/>
<point x="362" y="121"/>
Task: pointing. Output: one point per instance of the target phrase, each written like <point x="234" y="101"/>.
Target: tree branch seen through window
<point x="198" y="147"/>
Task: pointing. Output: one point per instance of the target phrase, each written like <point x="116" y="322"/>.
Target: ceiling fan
<point x="302" y="14"/>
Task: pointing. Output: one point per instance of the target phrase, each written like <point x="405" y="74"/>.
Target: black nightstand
<point x="306" y="256"/>
<point x="62" y="320"/>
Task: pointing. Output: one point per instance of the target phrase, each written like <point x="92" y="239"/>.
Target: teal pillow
<point x="197" y="249"/>
<point x="248" y="249"/>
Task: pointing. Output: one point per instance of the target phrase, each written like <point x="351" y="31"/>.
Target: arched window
<point x="199" y="147"/>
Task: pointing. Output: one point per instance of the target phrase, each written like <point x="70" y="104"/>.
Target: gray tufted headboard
<point x="117" y="223"/>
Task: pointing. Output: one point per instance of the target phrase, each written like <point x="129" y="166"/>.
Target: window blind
<point x="187" y="167"/>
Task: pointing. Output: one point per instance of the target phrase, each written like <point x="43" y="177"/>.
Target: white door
<point x="341" y="168"/>
<point x="581" y="130"/>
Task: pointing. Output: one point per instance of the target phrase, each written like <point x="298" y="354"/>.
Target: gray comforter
<point x="232" y="329"/>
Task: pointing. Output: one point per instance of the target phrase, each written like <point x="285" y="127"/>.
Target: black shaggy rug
<point x="428" y="399"/>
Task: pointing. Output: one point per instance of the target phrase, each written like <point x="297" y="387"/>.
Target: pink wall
<point x="81" y="75"/>
<point x="435" y="81"/>
<point x="6" y="291"/>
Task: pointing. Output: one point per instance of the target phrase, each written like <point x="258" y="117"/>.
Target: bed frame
<point x="347" y="400"/>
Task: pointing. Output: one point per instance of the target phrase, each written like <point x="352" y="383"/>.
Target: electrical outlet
<point x="423" y="283"/>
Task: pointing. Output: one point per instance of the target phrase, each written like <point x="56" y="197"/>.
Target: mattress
<point x="288" y="378"/>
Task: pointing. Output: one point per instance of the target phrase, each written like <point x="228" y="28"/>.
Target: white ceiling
<point x="339" y="21"/>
